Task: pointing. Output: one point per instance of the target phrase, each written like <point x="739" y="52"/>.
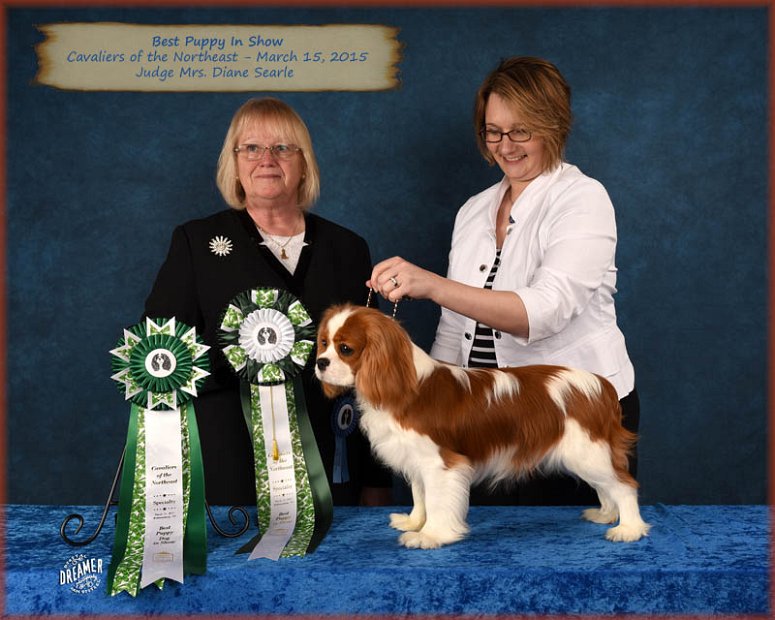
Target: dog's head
<point x="362" y="348"/>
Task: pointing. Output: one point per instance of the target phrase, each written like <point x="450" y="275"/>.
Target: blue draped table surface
<point x="537" y="560"/>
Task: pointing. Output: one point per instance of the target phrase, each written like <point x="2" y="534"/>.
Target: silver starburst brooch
<point x="220" y="246"/>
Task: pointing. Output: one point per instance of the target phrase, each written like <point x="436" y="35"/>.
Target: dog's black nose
<point x="323" y="363"/>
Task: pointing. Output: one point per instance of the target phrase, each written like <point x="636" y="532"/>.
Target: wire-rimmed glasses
<point x="254" y="152"/>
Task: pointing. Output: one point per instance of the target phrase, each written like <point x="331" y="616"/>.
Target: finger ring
<point x="394" y="281"/>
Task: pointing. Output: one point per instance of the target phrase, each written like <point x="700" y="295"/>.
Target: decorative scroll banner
<point x="134" y="57"/>
<point x="267" y="337"/>
<point x="160" y="531"/>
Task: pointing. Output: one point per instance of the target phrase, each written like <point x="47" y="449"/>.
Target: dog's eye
<point x="323" y="343"/>
<point x="345" y="350"/>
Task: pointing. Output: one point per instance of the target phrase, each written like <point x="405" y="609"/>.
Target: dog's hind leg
<point x="413" y="521"/>
<point x="631" y="526"/>
<point x="591" y="461"/>
<point x="446" y="505"/>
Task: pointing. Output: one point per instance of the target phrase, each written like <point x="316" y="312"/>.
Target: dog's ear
<point x="386" y="377"/>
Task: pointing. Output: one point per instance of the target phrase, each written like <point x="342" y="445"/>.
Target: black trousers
<point x="558" y="489"/>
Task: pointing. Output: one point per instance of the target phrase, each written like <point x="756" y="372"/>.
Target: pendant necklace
<point x="277" y="244"/>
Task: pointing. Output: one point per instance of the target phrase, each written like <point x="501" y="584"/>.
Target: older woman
<point x="531" y="275"/>
<point x="268" y="175"/>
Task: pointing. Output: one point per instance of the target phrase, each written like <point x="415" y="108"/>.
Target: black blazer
<point x="195" y="285"/>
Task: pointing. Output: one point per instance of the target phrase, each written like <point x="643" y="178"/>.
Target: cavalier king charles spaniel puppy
<point x="445" y="427"/>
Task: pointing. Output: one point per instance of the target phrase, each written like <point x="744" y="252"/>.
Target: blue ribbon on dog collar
<point x="344" y="420"/>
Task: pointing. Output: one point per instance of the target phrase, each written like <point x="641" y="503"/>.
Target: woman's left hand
<point x="396" y="278"/>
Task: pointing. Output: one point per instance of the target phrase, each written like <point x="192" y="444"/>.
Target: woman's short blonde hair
<point x="541" y="96"/>
<point x="289" y="124"/>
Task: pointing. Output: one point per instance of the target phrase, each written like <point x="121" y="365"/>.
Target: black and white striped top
<point x="483" y="352"/>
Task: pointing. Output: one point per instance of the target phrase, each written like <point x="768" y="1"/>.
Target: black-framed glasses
<point x="515" y="135"/>
<point x="254" y="152"/>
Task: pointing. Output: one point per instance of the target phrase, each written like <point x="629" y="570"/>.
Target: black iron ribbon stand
<point x="112" y="501"/>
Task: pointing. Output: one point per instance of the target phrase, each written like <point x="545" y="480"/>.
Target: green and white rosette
<point x="160" y="530"/>
<point x="267" y="336"/>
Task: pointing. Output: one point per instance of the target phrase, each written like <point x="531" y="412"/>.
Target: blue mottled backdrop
<point x="671" y="115"/>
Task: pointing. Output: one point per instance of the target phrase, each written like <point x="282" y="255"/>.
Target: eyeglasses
<point x="254" y="152"/>
<point x="515" y="135"/>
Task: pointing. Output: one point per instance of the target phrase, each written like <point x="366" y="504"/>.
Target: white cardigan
<point x="558" y="256"/>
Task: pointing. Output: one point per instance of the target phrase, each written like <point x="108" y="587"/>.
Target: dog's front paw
<point x="405" y="522"/>
<point x="432" y="538"/>
<point x="419" y="540"/>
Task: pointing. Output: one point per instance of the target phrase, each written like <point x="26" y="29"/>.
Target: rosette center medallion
<point x="160" y="363"/>
<point x="266" y="335"/>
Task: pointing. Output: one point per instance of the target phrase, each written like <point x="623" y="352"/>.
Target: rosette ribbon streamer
<point x="267" y="337"/>
<point x="344" y="420"/>
<point x="160" y="530"/>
